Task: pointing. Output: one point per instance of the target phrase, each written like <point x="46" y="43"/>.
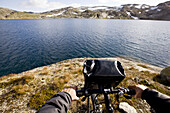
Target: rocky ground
<point x="26" y="92"/>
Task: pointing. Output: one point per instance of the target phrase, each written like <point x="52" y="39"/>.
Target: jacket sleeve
<point x="158" y="101"/>
<point x="59" y="103"/>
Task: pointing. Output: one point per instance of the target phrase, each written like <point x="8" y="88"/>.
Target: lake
<point x="26" y="44"/>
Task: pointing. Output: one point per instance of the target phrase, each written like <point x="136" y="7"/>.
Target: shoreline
<point x="21" y="92"/>
<point x="87" y="18"/>
<point x="122" y="59"/>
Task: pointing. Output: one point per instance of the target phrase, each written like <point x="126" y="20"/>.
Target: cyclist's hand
<point x="139" y="90"/>
<point x="71" y="91"/>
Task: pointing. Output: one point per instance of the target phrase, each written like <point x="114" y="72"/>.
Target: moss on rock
<point x="164" y="76"/>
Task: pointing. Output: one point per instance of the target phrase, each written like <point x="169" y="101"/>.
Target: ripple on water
<point x="32" y="43"/>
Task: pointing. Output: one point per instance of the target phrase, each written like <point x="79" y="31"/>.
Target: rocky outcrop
<point x="127" y="108"/>
<point x="12" y="14"/>
<point x="127" y="11"/>
<point x="4" y="12"/>
<point x="165" y="76"/>
<point x="159" y="12"/>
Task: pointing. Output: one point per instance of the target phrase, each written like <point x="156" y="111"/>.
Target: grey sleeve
<point x="158" y="101"/>
<point x="59" y="103"/>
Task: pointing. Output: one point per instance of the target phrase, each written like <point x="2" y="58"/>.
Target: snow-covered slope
<point x="127" y="11"/>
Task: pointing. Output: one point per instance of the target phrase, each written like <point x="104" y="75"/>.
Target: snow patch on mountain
<point x="52" y="15"/>
<point x="98" y="8"/>
<point x="153" y="8"/>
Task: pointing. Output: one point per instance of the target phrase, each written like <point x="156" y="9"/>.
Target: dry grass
<point x="131" y="68"/>
<point x="21" y="89"/>
<point x="66" y="65"/>
<point x="66" y="79"/>
<point x="71" y="67"/>
<point x="65" y="74"/>
<point x="45" y="72"/>
<point x="141" y="65"/>
<point x="68" y="75"/>
<point x="45" y="68"/>
<point x="80" y="70"/>
<point x="59" y="70"/>
<point x="61" y="81"/>
<point x="77" y="71"/>
<point x="17" y="81"/>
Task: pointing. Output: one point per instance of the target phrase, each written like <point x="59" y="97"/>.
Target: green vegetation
<point x="166" y="71"/>
<point x="23" y="15"/>
<point x="141" y="65"/>
<point x="40" y="98"/>
<point x="16" y="87"/>
<point x="133" y="76"/>
<point x="49" y="90"/>
<point x="164" y="76"/>
<point x="4" y="12"/>
<point x="12" y="14"/>
<point x="36" y="87"/>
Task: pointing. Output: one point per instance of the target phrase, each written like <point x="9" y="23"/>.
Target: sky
<point x="46" y="5"/>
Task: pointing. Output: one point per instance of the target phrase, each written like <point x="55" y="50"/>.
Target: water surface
<point x="26" y="44"/>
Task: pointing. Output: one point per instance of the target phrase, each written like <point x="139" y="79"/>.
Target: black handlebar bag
<point x="105" y="73"/>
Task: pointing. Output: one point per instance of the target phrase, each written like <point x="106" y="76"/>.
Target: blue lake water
<point x="26" y="44"/>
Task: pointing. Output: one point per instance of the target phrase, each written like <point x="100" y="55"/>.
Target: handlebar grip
<point x="79" y="92"/>
<point x="131" y="92"/>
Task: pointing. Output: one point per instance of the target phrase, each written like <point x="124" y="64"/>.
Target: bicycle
<point x="101" y="77"/>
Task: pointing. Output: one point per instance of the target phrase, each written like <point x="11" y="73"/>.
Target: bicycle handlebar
<point x="119" y="90"/>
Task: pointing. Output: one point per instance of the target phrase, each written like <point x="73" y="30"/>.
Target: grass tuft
<point x="44" y="73"/>
<point x="141" y="65"/>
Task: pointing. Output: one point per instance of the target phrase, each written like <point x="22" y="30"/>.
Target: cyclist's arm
<point x="59" y="103"/>
<point x="158" y="101"/>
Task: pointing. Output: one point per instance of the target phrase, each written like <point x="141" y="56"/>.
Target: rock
<point x="145" y="82"/>
<point x="136" y="79"/>
<point x="159" y="12"/>
<point x="165" y="76"/>
<point x="127" y="108"/>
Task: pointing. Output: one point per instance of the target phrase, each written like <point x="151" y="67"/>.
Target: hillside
<point x="27" y="91"/>
<point x="127" y="11"/>
<point x="12" y="14"/>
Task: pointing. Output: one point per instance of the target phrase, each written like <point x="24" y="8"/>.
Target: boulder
<point x="165" y="76"/>
<point x="127" y="108"/>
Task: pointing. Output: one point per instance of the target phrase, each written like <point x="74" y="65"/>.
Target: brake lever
<point x="84" y="98"/>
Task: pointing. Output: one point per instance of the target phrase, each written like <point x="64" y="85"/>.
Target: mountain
<point x="159" y="12"/>
<point x="127" y="11"/>
<point x="4" y="12"/>
<point x="12" y="14"/>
